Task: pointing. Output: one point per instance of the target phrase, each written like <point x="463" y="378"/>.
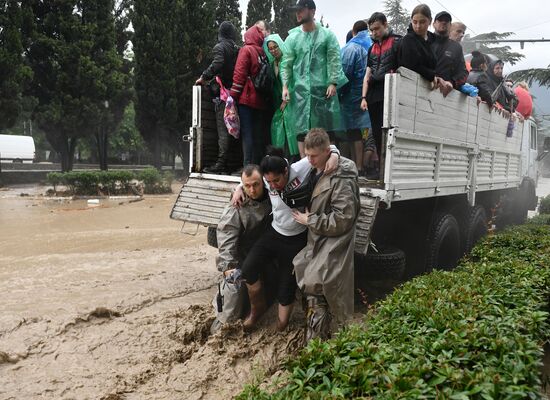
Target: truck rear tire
<point x="443" y="248"/>
<point x="212" y="237"/>
<point x="474" y="228"/>
<point x="388" y="263"/>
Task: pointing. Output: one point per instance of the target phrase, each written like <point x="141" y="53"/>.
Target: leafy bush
<point x="541" y="219"/>
<point x="473" y="333"/>
<point x="544" y="206"/>
<point x="93" y="183"/>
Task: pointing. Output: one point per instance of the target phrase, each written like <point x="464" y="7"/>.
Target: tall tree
<point x="540" y="75"/>
<point x="154" y="23"/>
<point x="285" y="17"/>
<point x="229" y="10"/>
<point x="398" y="17"/>
<point x="503" y="53"/>
<point x="14" y="74"/>
<point x="258" y="10"/>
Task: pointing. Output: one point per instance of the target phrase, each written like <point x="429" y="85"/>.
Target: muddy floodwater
<point x="113" y="302"/>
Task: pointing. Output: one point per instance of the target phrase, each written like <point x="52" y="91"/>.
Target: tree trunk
<point x="72" y="147"/>
<point x="156" y="157"/>
<point x="102" y="140"/>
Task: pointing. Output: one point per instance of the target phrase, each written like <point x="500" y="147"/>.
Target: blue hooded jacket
<point x="354" y="63"/>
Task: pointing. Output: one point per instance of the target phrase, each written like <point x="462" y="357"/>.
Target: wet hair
<point x="378" y="17"/>
<point x="266" y="24"/>
<point x="523" y="85"/>
<point x="360" y="26"/>
<point x="478" y="59"/>
<point x="422" y="9"/>
<point x="317" y="138"/>
<point x="249" y="169"/>
<point x="349" y="36"/>
<point x="274" y="161"/>
<point x="458" y="24"/>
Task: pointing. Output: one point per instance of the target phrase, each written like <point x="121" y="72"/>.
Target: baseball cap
<point x="309" y="4"/>
<point x="444" y="15"/>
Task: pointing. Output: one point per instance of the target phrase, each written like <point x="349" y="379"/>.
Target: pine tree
<point x="398" y="17"/>
<point x="285" y="17"/>
<point x="229" y="10"/>
<point x="258" y="10"/>
<point x="503" y="53"/>
<point x="14" y="75"/>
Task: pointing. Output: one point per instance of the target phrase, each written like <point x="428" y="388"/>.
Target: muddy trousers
<point x="318" y="317"/>
<point x="223" y="135"/>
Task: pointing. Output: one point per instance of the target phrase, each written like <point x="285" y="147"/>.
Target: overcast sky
<point x="530" y="19"/>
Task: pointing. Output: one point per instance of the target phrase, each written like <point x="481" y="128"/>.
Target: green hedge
<point x="544" y="206"/>
<point x="111" y="182"/>
<point x="473" y="333"/>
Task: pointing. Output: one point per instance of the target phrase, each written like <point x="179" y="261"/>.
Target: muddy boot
<point x="318" y="318"/>
<point x="284" y="316"/>
<point x="218" y="168"/>
<point x="257" y="305"/>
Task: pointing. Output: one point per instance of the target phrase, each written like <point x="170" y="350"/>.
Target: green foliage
<point x="258" y="10"/>
<point x="503" y="53"/>
<point x="92" y="183"/>
<point x="14" y="74"/>
<point x="540" y="75"/>
<point x="473" y="333"/>
<point x="284" y="17"/>
<point x="398" y="17"/>
<point x="229" y="10"/>
<point x="544" y="206"/>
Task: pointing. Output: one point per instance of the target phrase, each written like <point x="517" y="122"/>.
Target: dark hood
<point x="490" y="69"/>
<point x="411" y="32"/>
<point x="254" y="36"/>
<point x="227" y="31"/>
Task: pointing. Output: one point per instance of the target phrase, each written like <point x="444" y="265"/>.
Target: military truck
<point x="450" y="170"/>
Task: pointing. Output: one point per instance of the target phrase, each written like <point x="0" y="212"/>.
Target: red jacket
<point x="525" y="106"/>
<point x="247" y="66"/>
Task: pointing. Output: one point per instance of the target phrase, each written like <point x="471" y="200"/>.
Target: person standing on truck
<point x="382" y="60"/>
<point x="451" y="67"/>
<point x="283" y="239"/>
<point x="525" y="106"/>
<point x="237" y="231"/>
<point x="415" y="49"/>
<point x="500" y="93"/>
<point x="478" y="77"/>
<point x="224" y="56"/>
<point x="458" y="30"/>
<point x="354" y="63"/>
<point x="282" y="125"/>
<point x="324" y="267"/>
<point x="311" y="72"/>
<point x="251" y="104"/>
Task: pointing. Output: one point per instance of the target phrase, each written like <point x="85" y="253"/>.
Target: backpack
<point x="263" y="81"/>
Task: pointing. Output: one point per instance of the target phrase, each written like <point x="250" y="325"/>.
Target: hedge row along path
<point x="474" y="333"/>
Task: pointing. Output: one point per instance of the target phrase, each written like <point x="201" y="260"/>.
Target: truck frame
<point x="449" y="171"/>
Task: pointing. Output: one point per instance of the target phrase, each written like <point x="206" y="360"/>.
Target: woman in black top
<point x="415" y="51"/>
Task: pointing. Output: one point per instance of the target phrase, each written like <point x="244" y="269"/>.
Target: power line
<point x="532" y="26"/>
<point x="454" y="15"/>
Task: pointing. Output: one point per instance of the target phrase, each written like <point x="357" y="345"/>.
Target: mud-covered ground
<point x="113" y="302"/>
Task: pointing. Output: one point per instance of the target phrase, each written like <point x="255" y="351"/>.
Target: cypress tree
<point x="398" y="17"/>
<point x="285" y="17"/>
<point x="258" y="10"/>
<point x="229" y="10"/>
<point x="14" y="75"/>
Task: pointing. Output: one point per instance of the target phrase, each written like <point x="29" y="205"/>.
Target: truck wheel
<point x="212" y="237"/>
<point x="475" y="227"/>
<point x="443" y="248"/>
<point x="387" y="263"/>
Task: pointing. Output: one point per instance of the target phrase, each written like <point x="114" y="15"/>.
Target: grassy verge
<point x="473" y="333"/>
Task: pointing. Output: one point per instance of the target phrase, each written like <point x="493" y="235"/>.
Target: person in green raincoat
<point x="282" y="125"/>
<point x="311" y="71"/>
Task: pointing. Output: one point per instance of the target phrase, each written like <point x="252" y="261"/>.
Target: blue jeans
<point x="251" y="134"/>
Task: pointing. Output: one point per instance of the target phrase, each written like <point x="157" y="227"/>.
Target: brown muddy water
<point x="113" y="302"/>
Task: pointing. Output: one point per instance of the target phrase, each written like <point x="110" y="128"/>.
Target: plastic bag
<point x="230" y="114"/>
<point x="469" y="90"/>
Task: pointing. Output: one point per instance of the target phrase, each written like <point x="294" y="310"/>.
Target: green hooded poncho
<point x="311" y="62"/>
<point x="282" y="124"/>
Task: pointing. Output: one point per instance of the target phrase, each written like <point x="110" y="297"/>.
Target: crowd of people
<point x="291" y="222"/>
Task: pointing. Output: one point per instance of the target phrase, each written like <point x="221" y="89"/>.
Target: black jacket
<point x="382" y="59"/>
<point x="450" y="61"/>
<point x="416" y="54"/>
<point x="479" y="79"/>
<point x="499" y="91"/>
<point x="224" y="56"/>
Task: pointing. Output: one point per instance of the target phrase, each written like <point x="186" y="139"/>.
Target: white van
<point x="17" y="148"/>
